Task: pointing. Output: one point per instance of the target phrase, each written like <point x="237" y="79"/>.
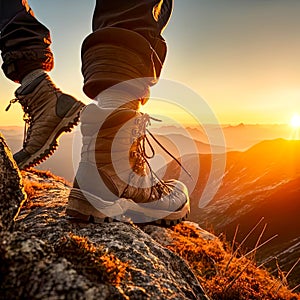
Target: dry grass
<point x="48" y="175"/>
<point x="92" y="261"/>
<point x="36" y="187"/>
<point x="239" y="279"/>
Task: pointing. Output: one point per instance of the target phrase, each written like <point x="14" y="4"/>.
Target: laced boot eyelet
<point x="133" y="154"/>
<point x="137" y="121"/>
<point x="135" y="132"/>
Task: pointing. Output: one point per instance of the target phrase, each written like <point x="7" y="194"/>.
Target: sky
<point x="240" y="56"/>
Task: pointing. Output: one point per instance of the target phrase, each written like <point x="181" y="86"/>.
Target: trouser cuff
<point x="17" y="64"/>
<point x="114" y="55"/>
<point x="25" y="46"/>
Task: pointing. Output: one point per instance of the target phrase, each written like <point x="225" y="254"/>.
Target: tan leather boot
<point x="114" y="178"/>
<point x="48" y="114"/>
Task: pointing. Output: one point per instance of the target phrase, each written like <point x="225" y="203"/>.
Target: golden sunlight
<point x="295" y="121"/>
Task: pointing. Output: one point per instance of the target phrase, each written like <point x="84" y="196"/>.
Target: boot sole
<point x="66" y="125"/>
<point x="80" y="208"/>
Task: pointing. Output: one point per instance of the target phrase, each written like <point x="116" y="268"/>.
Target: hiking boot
<point x="114" y="179"/>
<point x="47" y="113"/>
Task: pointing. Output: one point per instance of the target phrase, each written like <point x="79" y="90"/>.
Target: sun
<point x="295" y="121"/>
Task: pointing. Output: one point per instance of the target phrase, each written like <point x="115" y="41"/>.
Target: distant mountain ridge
<point x="263" y="181"/>
<point x="239" y="137"/>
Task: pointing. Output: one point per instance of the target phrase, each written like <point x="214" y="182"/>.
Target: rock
<point x="30" y="269"/>
<point x="11" y="189"/>
<point x="164" y="235"/>
<point x="50" y="257"/>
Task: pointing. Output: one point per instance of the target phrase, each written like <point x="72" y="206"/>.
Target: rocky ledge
<point x="44" y="255"/>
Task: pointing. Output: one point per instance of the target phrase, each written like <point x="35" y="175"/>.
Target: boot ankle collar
<point x="118" y="99"/>
<point x="24" y="90"/>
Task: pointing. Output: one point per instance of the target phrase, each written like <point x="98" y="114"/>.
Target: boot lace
<point x="142" y="156"/>
<point x="26" y="117"/>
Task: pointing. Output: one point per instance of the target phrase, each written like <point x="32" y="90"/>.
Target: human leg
<point x="126" y="43"/>
<point x="24" y="41"/>
<point x="25" y="49"/>
<point x="121" y="59"/>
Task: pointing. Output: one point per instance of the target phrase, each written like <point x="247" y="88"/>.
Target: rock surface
<point x="47" y="256"/>
<point x="11" y="189"/>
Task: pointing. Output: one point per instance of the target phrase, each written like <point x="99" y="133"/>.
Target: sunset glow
<point x="295" y="121"/>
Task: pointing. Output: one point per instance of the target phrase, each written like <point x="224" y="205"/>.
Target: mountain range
<point x="261" y="182"/>
<point x="179" y="141"/>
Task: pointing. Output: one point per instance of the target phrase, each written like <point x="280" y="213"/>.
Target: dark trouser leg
<point x="126" y="43"/>
<point x="24" y="41"/>
<point x="8" y="9"/>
